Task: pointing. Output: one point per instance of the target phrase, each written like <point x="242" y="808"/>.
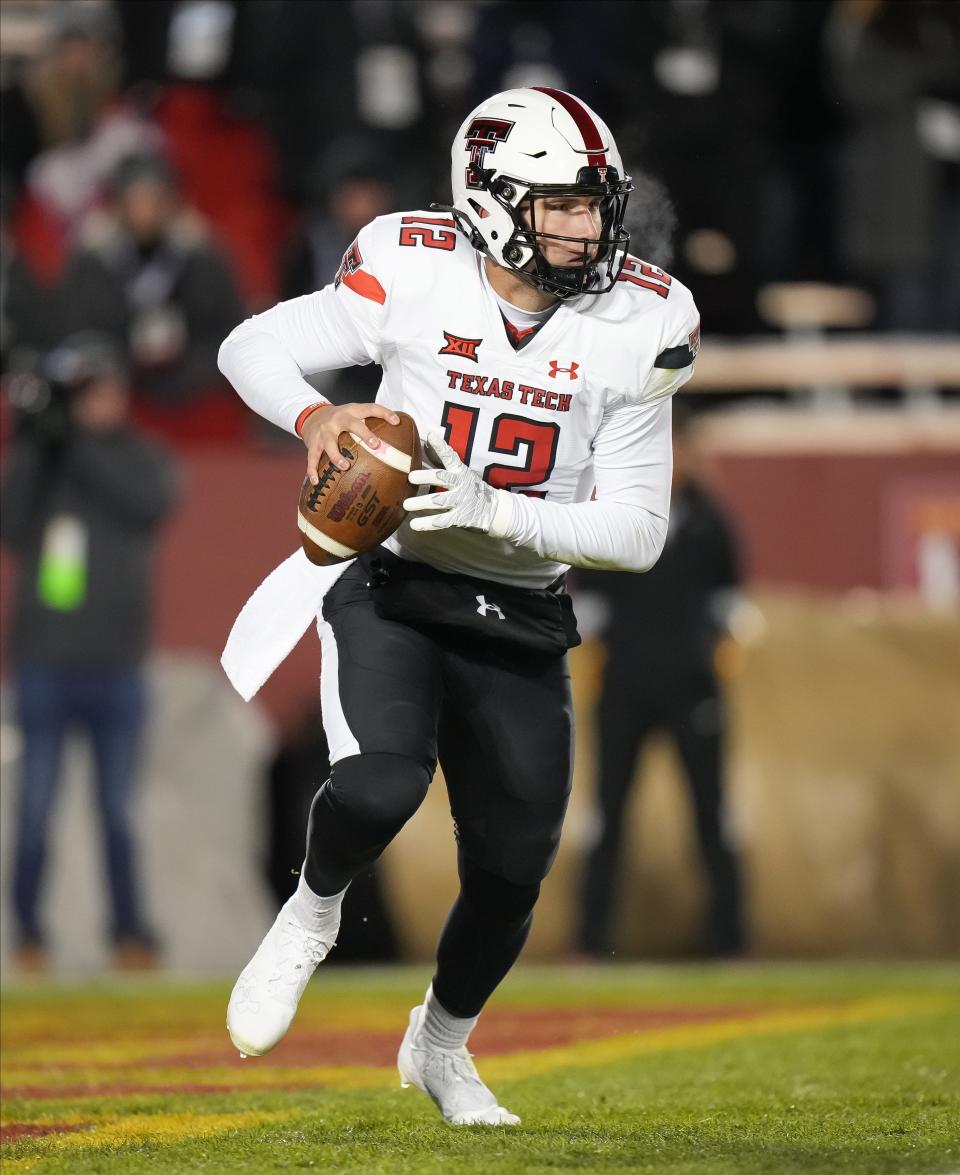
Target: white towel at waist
<point x="274" y="619"/>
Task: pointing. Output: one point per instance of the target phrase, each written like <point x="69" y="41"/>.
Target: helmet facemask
<point x="603" y="255"/>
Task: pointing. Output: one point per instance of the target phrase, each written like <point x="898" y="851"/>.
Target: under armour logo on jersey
<point x="483" y="608"/>
<point x="464" y="348"/>
<point x="570" y="372"/>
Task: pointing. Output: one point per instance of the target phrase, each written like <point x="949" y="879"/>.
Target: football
<point x="352" y="510"/>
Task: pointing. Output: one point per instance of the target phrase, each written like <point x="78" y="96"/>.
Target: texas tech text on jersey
<point x="577" y="404"/>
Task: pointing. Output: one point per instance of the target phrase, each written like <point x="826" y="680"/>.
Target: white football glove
<point x="465" y="499"/>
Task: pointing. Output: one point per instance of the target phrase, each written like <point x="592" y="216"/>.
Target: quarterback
<point x="537" y="357"/>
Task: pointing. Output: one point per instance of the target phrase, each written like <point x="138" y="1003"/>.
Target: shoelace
<point x="459" y="1062"/>
<point x="297" y="945"/>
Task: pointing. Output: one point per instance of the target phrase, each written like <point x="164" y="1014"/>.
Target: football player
<point x="538" y="359"/>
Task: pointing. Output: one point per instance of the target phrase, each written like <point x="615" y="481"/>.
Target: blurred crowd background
<point x="774" y="141"/>
<point x="170" y="166"/>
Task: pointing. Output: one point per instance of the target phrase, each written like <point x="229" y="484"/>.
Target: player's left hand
<point x="465" y="499"/>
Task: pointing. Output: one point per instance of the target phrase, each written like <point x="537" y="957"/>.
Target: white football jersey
<point x="573" y="419"/>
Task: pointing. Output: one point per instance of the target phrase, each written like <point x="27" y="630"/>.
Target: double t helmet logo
<point x="483" y="134"/>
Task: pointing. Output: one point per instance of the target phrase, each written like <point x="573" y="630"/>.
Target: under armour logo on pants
<point x="484" y="608"/>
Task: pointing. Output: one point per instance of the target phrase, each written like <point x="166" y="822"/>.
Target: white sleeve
<point x="679" y="344"/>
<point x="625" y="526"/>
<point x="267" y="356"/>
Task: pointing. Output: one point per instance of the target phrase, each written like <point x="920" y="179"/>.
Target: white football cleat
<point x="265" y="997"/>
<point x="451" y="1079"/>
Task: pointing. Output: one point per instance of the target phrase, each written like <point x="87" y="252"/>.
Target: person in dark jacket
<point x="350" y="188"/>
<point x="83" y="498"/>
<point x="146" y="271"/>
<point x="661" y="630"/>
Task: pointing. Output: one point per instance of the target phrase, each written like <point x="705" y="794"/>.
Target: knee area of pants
<point x="496" y="898"/>
<point x="379" y="788"/>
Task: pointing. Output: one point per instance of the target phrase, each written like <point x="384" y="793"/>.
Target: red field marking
<point x="305" y="1048"/>
<point x="17" y="1130"/>
<point x="130" y="1088"/>
<point x="500" y="1032"/>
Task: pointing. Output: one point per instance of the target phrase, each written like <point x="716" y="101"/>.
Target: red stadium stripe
<point x="592" y="139"/>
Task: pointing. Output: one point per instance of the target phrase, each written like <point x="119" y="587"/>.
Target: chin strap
<point x="465" y="225"/>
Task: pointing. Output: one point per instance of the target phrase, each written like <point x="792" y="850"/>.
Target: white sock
<point x="320" y="915"/>
<point x="440" y="1030"/>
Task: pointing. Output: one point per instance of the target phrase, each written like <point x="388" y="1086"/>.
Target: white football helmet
<point x="533" y="142"/>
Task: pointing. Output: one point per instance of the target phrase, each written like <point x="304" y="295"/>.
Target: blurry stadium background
<point x="798" y="166"/>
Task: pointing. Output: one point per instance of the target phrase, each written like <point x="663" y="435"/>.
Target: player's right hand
<point x="322" y="428"/>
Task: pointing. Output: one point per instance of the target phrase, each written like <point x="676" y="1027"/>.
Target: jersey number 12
<point x="509" y="434"/>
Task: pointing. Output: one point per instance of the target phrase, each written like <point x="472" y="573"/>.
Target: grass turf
<point x="735" y="1071"/>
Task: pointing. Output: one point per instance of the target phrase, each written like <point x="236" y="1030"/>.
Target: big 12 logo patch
<point x="462" y="348"/>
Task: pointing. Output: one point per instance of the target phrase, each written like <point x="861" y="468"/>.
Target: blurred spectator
<point x="896" y="68"/>
<point x="661" y="631"/>
<point x="310" y="73"/>
<point x="58" y="98"/>
<point x="31" y="309"/>
<point x="350" y="189"/>
<point x="83" y="497"/>
<point x="147" y="272"/>
<point x="298" y="769"/>
<point x="65" y="123"/>
<point x="670" y="73"/>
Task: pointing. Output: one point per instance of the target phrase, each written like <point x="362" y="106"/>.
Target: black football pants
<point x="394" y="701"/>
<point x="694" y="719"/>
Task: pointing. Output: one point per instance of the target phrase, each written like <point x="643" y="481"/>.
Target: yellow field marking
<point x="110" y="1053"/>
<point x="254" y="1074"/>
<point x="119" y="1129"/>
<point x="145" y="1047"/>
<point x="116" y="1131"/>
<point x="514" y="1066"/>
<point x="618" y="1048"/>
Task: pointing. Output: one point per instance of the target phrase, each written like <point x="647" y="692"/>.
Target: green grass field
<point x="713" y="1070"/>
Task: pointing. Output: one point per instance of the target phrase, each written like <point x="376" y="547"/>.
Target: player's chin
<point x="572" y="261"/>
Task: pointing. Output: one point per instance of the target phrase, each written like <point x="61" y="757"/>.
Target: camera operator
<point x="83" y="498"/>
